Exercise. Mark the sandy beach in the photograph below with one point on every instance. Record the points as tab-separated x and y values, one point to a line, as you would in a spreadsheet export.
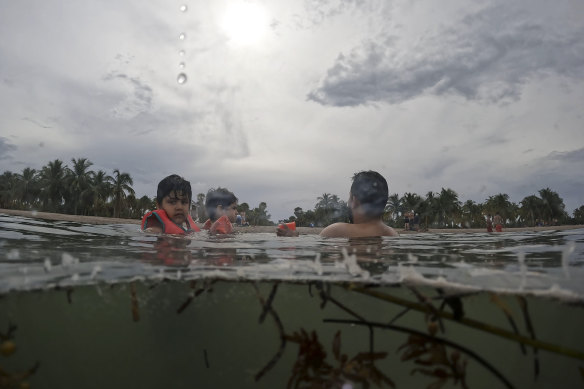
301	230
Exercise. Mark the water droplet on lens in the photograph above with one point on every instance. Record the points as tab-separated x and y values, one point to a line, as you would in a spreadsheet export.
182	36
183	8
181	65
181	53
182	78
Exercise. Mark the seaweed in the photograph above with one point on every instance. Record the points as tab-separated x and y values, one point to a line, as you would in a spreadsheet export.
531	330
268	308
7	348
416	346
134	303
207	287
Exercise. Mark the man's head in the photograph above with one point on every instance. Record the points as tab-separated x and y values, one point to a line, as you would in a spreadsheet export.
370	189
174	197
221	202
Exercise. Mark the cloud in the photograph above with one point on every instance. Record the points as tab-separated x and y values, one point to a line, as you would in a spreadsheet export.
486	56
575	156
136	102
319	11
6	148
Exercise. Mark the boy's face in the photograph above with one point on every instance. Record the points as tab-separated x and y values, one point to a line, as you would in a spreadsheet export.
230	212
176	206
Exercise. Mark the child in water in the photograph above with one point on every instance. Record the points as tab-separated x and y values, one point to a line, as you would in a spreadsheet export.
173	203
221	206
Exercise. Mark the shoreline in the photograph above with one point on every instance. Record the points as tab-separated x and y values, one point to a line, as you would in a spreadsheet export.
268	229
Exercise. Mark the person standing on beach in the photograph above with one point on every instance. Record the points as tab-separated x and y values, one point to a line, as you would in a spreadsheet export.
498	220
489	223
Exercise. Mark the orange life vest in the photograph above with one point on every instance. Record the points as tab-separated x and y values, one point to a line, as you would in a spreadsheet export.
220	226
168	226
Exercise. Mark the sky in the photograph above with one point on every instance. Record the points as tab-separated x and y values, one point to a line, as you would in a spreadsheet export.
285	100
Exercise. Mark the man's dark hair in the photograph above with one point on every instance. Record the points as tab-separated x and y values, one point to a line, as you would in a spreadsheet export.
215	197
173	183
370	188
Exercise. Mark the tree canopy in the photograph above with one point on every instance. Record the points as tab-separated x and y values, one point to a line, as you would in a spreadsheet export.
79	190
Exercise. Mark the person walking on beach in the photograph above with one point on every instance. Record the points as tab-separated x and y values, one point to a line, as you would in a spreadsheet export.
498	220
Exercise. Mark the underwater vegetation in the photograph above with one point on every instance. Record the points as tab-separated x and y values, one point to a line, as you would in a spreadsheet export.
421	324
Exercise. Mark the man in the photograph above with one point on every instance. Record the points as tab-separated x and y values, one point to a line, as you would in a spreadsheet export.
367	200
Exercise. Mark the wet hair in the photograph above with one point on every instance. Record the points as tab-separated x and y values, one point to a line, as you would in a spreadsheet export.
216	197
173	183
370	188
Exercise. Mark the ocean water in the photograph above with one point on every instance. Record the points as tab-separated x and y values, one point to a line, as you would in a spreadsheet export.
109	306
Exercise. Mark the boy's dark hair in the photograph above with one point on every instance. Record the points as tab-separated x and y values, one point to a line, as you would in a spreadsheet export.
370	188
173	183
215	197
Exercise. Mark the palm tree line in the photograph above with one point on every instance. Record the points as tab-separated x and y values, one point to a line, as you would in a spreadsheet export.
76	190
444	209
79	190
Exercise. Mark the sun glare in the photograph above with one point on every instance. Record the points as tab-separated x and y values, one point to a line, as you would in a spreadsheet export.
245	23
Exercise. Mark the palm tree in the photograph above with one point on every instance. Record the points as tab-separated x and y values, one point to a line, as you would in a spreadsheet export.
144	204
53	184
8	189
553	206
28	186
530	210
79	181
410	202
428	209
100	189
472	214
324	201
449	206
392	208
500	203
579	215
122	183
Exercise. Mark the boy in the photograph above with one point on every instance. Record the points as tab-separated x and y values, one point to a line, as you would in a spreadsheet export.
367	200
221	206
173	203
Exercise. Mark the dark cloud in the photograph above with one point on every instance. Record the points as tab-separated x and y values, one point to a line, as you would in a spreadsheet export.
6	148
575	156
487	56
438	167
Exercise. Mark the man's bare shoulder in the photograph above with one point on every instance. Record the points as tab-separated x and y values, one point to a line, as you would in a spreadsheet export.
336	230
347	230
